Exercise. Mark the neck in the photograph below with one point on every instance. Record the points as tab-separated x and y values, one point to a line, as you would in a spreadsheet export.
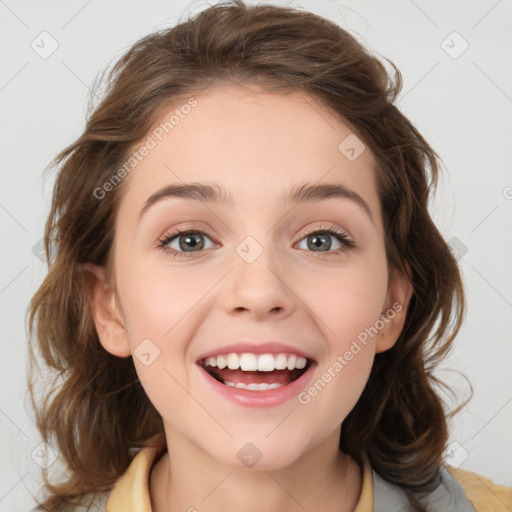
322	479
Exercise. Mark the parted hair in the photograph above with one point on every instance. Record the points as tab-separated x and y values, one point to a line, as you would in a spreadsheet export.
85	407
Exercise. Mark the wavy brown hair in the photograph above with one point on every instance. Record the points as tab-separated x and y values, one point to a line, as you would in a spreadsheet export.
86	410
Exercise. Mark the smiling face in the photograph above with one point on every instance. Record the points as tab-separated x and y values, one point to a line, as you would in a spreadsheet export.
257	267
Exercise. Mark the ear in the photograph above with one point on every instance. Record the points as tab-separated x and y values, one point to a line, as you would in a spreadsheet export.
105	311
395	310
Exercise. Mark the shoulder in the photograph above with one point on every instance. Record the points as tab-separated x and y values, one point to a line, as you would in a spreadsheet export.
484	495
457	489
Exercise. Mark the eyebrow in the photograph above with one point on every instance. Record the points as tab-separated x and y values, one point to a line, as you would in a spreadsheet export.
214	193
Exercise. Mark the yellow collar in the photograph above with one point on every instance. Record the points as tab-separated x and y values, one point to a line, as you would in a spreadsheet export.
131	491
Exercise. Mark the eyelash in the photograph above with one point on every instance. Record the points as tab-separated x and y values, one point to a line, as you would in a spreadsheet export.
341	236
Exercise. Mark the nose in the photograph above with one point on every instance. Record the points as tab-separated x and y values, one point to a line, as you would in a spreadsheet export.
259	288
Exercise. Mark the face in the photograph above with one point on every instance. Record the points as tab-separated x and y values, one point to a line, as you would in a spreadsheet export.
259	267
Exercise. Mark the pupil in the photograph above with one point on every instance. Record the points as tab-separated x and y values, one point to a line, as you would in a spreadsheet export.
322	239
191	238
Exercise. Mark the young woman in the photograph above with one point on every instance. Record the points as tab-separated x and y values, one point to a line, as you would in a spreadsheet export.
248	294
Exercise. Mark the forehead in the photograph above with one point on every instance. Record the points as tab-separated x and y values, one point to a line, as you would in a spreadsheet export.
257	145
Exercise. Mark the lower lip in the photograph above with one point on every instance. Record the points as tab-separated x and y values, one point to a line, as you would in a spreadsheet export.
266	398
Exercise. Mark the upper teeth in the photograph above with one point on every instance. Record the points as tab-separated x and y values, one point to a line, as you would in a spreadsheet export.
251	362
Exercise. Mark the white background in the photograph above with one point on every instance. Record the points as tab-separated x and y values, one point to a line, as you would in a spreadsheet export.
461	105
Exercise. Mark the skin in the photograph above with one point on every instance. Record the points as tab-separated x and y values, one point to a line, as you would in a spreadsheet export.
258	145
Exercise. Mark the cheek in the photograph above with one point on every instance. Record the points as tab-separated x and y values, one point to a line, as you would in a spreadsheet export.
162	311
158	316
157	303
348	307
349	299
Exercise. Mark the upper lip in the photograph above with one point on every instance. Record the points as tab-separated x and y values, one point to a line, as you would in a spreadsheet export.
267	347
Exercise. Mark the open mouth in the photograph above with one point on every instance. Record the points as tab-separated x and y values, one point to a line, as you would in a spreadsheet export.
254	380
